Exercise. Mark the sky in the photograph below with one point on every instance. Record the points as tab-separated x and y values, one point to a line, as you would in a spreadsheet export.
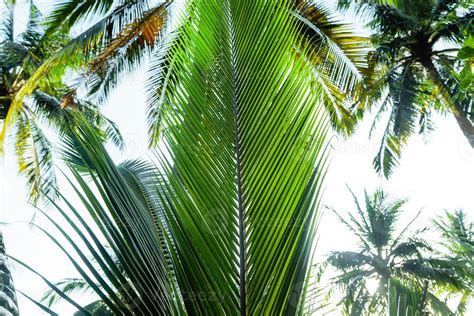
434	174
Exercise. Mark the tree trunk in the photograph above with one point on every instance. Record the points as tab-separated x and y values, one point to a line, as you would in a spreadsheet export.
464	123
421	305
5	102
8	302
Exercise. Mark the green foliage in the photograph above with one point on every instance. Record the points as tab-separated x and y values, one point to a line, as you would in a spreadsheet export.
8	301
416	76
214	228
457	234
21	58
385	256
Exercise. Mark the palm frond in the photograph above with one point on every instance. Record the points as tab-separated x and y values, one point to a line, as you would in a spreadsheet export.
70	286
138	278
348	260
31	37
70	12
35	160
229	208
125	52
7	31
406	95
342	63
48	109
75	52
238	228
317	297
8	298
43	307
409	248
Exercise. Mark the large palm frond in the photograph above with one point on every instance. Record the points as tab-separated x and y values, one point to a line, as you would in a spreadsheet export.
232	227
226	89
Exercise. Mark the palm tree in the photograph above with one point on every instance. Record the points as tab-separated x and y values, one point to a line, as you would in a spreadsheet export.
124	33
386	257
458	240
8	302
416	44
20	57
215	228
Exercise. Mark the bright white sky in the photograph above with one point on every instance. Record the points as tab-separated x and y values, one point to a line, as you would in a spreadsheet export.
435	176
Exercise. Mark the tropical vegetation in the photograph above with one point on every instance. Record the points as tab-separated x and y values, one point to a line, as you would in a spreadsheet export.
21	55
214	220
457	233
424	53
242	98
396	259
8	301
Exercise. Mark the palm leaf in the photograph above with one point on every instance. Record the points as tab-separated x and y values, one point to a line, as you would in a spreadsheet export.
342	63
235	96
229	225
35	159
7	22
102	35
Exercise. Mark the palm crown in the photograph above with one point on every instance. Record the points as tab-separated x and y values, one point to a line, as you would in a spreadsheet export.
416	44
386	256
458	240
21	55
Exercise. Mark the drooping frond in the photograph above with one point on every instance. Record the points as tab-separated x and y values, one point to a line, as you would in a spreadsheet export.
102	35
70	286
34	154
347	260
407	98
125	52
137	278
342	64
7	31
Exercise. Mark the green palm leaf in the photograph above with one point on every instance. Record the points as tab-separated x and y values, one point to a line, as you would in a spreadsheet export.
216	228
233	98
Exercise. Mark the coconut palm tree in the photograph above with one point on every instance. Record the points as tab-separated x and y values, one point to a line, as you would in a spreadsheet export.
386	257
214	228
458	240
8	302
20	57
123	34
416	45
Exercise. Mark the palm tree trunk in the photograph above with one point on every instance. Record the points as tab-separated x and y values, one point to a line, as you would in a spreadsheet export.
8	302
463	122
4	102
422	303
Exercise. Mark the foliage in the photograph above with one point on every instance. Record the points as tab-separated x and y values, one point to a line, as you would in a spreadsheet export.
21	57
416	45
458	240
8	301
214	228
386	256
